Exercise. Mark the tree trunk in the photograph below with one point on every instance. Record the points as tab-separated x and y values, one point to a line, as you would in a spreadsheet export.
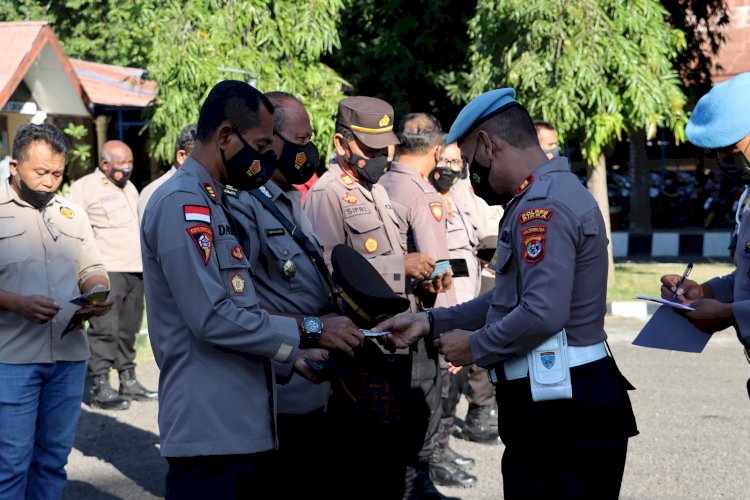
640	202
597	184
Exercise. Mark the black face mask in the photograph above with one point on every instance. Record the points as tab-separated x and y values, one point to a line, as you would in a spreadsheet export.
249	169
552	152
297	162
126	173
736	167
443	178
37	199
480	181
370	169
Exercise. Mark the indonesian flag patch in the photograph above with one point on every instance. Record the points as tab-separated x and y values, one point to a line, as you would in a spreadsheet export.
197	213
203	237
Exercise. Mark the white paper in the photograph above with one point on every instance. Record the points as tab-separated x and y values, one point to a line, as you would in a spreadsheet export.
666	302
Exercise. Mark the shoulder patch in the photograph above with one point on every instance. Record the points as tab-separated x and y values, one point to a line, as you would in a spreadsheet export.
533	247
197	213
67	212
437	210
203	237
533	230
534	214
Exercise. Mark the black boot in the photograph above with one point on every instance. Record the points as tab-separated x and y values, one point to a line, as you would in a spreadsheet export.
132	389
455	458
104	396
478	425
424	488
444	473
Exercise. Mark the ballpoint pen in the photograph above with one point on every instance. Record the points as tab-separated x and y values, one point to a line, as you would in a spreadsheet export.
683	278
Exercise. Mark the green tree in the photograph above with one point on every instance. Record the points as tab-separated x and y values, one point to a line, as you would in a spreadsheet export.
597	69
280	43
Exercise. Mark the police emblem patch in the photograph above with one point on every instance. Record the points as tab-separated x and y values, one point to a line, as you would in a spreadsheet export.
533	248
67	213
349	198
371	244
237	252
384	121
238	284
203	237
210	190
300	160
548	359
534	214
437	210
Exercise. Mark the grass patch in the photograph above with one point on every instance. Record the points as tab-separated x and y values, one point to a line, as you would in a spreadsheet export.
642	278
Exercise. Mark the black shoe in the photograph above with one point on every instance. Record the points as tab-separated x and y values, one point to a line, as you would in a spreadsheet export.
424	488
445	473
104	396
455	458
130	387
478	425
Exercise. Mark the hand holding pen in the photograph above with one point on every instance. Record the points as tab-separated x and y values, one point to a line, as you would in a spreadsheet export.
675	287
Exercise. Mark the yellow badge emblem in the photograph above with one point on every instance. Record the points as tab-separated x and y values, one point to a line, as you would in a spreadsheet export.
67	213
347	180
210	190
349	198
237	253
371	244
437	210
384	121
238	284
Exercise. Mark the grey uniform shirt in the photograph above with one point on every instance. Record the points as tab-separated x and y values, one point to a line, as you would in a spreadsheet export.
48	252
211	340
421	209
343	211
734	288
300	289
551	272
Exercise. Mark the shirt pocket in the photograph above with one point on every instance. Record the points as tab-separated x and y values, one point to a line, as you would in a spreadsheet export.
116	210
70	241
283	263
13	245
505	294
234	273
367	235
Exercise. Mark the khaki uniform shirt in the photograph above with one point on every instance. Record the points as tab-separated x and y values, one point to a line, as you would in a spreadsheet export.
462	244
216	348
343	211
114	218
49	252
422	211
285	277
149	190
551	272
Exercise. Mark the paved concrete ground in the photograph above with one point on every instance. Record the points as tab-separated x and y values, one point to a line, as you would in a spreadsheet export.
693	413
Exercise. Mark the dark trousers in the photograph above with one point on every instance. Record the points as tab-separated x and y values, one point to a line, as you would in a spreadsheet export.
304	450
568	448
112	336
480	392
450	394
221	477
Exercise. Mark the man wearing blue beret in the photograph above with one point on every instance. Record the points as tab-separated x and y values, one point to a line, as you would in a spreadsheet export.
564	413
721	122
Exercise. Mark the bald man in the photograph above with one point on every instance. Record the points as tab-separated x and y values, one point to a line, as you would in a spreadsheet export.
111	201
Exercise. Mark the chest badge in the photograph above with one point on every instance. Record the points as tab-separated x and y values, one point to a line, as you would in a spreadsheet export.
349	198
238	284
371	244
289	269
67	213
237	253
437	210
203	237
347	180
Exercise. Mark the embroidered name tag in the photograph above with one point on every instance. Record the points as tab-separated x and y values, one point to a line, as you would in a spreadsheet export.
277	231
356	210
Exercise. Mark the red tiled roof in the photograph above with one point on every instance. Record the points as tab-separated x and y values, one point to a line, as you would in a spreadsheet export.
115	85
22	42
734	54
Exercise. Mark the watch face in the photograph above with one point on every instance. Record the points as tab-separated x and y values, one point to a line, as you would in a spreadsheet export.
312	324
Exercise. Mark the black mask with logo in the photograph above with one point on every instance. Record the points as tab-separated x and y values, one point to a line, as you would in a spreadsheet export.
444	178
126	173
37	199
736	166
370	169
297	162
248	169
480	181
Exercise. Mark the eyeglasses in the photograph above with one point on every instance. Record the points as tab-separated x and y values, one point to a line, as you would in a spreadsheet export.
452	163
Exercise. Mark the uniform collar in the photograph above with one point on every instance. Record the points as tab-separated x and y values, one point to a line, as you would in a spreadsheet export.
8	194
556	164
402	168
213	189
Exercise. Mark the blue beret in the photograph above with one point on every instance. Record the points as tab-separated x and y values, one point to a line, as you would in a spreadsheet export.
722	117
478	110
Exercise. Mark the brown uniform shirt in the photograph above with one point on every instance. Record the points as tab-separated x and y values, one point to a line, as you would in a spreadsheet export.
462	244
149	190
421	207
343	211
114	218
51	253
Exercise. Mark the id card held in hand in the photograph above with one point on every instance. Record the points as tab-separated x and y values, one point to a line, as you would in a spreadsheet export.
90	298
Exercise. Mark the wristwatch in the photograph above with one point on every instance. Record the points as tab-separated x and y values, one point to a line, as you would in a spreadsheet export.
311	327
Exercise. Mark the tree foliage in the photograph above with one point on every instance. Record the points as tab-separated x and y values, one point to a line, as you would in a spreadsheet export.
594	68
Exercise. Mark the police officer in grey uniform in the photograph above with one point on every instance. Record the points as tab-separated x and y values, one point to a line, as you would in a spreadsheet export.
720	122
217	350
291	278
550	290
